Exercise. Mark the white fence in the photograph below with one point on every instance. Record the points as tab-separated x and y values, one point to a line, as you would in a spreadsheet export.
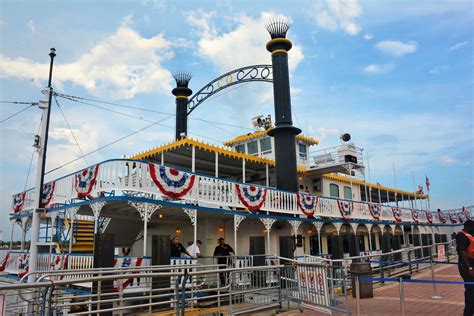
128	177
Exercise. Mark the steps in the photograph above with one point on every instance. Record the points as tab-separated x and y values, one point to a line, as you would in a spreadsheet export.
83	236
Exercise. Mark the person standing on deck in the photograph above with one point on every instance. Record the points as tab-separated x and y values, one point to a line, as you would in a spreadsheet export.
194	249
465	248
222	251
176	248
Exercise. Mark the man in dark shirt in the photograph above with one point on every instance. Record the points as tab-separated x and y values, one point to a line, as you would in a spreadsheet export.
222	251
466	266
176	248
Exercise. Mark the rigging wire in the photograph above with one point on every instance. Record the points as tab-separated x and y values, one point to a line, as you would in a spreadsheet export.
138	117
103	147
31	104
70	129
19	102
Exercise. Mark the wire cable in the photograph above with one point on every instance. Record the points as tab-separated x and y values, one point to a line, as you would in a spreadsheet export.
33	154
15	114
19	102
70	129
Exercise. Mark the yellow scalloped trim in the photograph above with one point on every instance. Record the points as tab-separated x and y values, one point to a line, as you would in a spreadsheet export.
241	138
371	185
212	148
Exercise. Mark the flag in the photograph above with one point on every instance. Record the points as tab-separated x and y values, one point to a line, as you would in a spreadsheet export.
427	182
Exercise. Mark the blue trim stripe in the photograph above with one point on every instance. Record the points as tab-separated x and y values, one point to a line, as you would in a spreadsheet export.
414	281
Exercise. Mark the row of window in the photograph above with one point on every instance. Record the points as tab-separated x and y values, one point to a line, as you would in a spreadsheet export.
334	191
266	148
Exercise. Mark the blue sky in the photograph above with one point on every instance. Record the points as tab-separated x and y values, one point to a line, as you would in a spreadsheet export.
397	75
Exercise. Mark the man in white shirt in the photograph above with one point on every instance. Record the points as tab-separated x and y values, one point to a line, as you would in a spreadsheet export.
193	249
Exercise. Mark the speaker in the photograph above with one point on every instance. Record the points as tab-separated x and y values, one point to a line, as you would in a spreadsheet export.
337	249
353	245
160	255
386	247
397	245
104	248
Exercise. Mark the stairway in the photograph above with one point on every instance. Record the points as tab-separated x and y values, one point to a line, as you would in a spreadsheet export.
83	241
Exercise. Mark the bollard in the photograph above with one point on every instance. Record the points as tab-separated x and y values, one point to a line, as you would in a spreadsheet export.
357	295
434	297
402	297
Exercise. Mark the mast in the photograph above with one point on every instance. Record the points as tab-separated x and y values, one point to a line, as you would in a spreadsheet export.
40	169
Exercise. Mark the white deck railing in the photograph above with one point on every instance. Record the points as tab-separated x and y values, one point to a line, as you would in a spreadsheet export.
129	177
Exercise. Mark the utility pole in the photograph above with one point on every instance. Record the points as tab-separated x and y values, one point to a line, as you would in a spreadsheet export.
41	144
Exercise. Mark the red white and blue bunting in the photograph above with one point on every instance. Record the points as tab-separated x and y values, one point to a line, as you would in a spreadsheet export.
442	218
415	216
18	201
59	262
23	264
466	213
47	193
251	196
375	210
126	262
307	203
3	265
453	218
345	208
397	214
429	217
85	181
171	182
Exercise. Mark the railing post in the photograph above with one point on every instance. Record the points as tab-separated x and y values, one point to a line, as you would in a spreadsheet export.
357	290
435	296
402	297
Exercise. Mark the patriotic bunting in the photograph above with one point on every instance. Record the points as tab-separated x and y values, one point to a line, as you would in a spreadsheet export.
429	217
345	208
397	214
251	196
466	213
415	216
23	261
18	201
127	262
47	193
307	203
375	210
453	218
171	182
85	180
442	218
3	265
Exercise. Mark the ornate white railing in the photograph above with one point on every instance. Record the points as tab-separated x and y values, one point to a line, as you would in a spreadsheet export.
132	178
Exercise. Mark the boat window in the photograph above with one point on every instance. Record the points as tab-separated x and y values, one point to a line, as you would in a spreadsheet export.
348	193
240	148
265	145
334	190
252	148
302	151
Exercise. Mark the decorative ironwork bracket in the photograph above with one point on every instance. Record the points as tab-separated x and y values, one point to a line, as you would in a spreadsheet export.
241	75
237	220
146	210
192	213
96	208
267	222
294	226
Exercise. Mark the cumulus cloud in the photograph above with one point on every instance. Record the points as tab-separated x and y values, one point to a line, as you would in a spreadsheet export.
31	26
368	36
458	46
120	66
396	48
447	160
243	45
337	15
378	69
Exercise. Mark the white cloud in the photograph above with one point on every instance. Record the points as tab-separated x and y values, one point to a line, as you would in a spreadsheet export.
119	66
242	46
396	48
378	69
447	160
337	15
157	5
368	36
458	46
31	26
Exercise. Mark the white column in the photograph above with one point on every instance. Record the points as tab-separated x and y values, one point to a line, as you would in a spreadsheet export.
53	221
268	223
267	176
162	158
217	165
193	159
369	228
338	226
192	213
72	214
237	220
319	226
11	235
243	170
25	227
146	211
